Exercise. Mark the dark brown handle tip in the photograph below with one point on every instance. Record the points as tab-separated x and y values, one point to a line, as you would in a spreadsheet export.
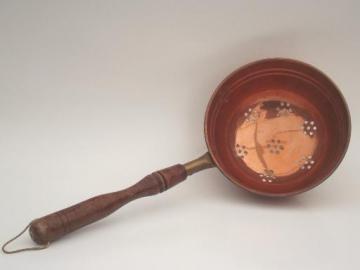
40	231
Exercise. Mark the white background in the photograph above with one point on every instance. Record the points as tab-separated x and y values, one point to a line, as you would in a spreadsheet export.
94	95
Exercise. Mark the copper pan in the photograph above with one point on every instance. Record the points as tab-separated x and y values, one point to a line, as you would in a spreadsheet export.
275	127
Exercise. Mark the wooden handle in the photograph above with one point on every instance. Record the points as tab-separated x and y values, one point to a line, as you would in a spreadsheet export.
51	227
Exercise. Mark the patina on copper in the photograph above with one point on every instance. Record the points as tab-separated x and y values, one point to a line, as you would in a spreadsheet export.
275	127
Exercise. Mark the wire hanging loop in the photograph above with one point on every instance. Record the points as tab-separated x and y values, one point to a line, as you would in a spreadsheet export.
22	249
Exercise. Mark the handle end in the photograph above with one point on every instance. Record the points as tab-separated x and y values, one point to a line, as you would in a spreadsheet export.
40	231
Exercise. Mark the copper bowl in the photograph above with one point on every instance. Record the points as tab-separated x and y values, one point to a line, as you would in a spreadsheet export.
277	127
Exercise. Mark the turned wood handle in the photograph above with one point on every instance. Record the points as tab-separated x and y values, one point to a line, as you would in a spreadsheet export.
51	227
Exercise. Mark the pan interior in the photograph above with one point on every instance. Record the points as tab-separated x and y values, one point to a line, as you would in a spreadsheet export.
275	139
277	127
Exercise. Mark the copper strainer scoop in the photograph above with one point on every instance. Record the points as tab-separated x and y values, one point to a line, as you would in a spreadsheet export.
275	127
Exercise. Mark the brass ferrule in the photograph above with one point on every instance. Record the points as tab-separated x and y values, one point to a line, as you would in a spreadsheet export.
199	164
